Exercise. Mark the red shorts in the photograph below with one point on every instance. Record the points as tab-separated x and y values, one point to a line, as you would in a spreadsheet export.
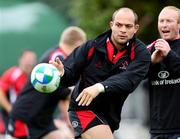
84	120
17	128
2	125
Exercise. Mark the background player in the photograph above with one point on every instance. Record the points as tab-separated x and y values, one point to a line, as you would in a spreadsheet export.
164	77
11	83
36	109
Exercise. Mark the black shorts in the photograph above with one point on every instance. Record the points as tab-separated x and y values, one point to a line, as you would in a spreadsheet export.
5	118
38	131
165	136
84	120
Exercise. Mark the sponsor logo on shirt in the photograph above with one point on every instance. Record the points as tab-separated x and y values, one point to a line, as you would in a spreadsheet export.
165	82
163	75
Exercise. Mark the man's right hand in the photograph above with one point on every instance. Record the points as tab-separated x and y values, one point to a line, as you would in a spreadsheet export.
59	65
162	49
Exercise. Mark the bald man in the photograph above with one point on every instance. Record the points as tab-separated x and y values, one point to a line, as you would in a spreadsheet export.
164	77
110	67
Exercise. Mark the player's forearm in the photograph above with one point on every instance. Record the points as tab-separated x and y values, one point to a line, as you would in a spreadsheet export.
4	102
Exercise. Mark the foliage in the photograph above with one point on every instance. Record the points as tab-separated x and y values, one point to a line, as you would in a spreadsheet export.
94	15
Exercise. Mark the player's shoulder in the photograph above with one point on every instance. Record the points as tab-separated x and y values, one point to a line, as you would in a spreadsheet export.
141	48
140	43
45	56
12	70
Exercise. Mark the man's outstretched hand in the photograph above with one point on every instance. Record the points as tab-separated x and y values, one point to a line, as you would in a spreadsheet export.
59	65
89	93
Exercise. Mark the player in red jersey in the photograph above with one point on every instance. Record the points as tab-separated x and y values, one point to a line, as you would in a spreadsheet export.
11	83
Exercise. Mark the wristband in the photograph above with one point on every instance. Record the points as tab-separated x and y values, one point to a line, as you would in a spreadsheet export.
100	87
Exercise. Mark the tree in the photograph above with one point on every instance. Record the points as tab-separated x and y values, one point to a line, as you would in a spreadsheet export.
93	15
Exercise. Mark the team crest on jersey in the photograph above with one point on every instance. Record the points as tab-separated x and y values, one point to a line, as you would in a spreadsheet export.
123	65
74	124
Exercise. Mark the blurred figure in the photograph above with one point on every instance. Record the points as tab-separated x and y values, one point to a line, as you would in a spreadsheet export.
135	116
2	124
11	83
107	69
164	77
35	108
